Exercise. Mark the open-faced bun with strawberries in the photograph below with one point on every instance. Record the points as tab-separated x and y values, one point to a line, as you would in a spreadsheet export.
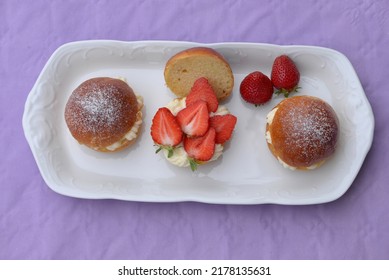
185	67
302	132
192	130
104	114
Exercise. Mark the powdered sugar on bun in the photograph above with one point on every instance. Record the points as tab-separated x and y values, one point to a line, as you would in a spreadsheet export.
303	132
100	112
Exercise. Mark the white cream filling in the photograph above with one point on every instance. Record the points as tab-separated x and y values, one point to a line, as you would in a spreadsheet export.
313	166
176	105
180	156
270	116
133	132
284	164
123	79
268	137
181	159
221	111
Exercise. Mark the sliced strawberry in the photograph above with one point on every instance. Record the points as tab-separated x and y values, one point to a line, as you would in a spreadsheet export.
202	90
200	148
224	126
165	130
194	119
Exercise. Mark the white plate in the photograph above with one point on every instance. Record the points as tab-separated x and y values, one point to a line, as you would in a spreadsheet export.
247	173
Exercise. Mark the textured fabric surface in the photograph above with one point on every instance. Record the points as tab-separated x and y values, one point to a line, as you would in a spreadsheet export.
36	223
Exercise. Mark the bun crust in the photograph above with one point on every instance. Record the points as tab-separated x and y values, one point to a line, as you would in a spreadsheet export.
303	132
184	68
100	111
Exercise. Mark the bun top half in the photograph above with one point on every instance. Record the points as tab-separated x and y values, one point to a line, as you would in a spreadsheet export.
304	131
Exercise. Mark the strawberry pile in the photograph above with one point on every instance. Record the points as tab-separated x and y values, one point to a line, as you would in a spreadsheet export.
196	127
257	88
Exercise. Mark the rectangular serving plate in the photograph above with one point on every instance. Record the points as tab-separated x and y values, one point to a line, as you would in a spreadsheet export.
247	173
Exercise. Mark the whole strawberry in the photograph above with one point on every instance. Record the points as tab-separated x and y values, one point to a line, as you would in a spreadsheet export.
285	75
256	88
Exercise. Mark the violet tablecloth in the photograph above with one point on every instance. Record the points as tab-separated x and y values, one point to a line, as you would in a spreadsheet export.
36	223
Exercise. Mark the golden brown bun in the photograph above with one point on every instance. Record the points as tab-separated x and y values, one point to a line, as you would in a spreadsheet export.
303	132
184	68
100	111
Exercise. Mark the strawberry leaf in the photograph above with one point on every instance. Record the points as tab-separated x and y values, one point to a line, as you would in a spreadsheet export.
286	92
158	150
169	149
193	164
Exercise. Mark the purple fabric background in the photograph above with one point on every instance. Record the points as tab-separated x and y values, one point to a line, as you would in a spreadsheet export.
36	223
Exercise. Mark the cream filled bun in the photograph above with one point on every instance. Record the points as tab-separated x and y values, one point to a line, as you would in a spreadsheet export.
302	132
104	114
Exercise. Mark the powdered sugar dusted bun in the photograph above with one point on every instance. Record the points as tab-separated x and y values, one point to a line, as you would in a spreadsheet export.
185	67
302	132
104	114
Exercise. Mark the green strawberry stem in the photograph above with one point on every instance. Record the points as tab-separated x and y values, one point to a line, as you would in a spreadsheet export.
193	164
286	92
169	149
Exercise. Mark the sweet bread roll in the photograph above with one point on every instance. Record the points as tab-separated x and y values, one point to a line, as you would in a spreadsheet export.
184	68
302	132
104	114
